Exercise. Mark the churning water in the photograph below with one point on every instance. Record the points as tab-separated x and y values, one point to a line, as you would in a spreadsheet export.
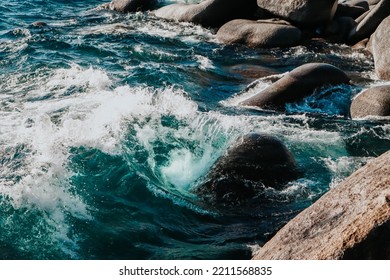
109	121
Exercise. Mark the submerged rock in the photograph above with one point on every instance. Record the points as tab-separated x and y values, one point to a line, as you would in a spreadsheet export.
209	13
381	49
39	24
341	219
372	102
296	85
255	161
259	34
126	6
303	12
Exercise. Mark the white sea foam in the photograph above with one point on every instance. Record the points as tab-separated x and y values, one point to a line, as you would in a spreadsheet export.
78	106
343	166
204	62
95	116
141	23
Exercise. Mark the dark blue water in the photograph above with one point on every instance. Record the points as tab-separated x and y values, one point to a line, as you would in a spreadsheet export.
108	122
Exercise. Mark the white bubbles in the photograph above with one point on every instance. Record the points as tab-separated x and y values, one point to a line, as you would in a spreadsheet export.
204	62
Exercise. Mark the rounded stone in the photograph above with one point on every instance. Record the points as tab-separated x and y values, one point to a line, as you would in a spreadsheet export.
296	85
126	6
372	102
259	34
302	12
254	161
209	13
381	49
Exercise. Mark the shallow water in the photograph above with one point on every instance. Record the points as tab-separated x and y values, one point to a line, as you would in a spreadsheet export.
108	122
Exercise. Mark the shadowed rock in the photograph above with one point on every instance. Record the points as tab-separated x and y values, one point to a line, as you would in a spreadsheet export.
339	30
303	12
255	161
209	13
296	85
381	49
353	9
375	247
340	220
127	6
259	34
369	22
372	102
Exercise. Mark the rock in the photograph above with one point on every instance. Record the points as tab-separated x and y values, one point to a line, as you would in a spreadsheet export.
126	6
372	102
209	13
251	72
259	34
376	246
340	220
338	31
255	161
361	45
347	10
302	12
381	49
296	85
373	2
369	22
39	24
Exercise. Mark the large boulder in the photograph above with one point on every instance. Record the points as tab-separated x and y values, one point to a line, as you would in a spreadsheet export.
209	13
126	6
259	34
369	22
302	12
372	102
344	218
296	85
381	49
254	162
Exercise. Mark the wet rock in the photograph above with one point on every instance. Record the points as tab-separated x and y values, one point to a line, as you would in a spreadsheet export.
381	49
252	72
259	34
369	22
340	220
296	85
126	6
255	161
302	12
39	24
209	13
372	102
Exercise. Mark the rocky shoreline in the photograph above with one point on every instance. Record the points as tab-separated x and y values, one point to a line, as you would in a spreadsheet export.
337	224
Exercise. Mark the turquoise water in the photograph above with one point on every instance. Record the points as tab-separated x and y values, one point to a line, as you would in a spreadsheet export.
108	122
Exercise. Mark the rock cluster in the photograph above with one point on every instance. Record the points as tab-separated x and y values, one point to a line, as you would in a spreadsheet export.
344	220
286	23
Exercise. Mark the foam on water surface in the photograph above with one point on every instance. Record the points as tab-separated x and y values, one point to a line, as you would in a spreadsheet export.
109	121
